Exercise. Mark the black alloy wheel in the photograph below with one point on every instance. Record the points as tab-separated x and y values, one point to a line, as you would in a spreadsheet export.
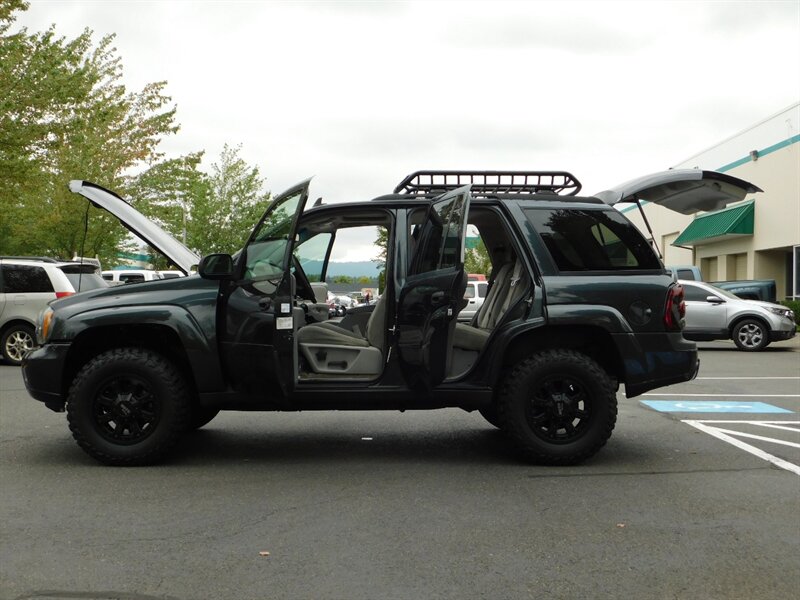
128	406
558	407
126	409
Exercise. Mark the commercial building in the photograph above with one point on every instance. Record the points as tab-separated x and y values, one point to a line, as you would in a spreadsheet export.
758	238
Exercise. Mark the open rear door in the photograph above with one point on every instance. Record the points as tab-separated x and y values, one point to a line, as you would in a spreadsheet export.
686	191
433	291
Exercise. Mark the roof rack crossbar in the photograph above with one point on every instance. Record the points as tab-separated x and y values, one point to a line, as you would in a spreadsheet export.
488	183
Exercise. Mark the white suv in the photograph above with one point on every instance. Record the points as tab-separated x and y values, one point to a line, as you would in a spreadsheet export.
716	314
27	285
474	295
119	276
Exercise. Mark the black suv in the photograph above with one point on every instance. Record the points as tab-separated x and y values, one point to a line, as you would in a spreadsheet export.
579	303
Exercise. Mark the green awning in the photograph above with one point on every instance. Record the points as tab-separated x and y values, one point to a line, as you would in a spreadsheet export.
735	221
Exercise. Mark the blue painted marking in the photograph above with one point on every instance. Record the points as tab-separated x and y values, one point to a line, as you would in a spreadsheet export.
722	406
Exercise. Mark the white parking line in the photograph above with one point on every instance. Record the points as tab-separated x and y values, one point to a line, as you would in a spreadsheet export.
726	437
748	378
728	395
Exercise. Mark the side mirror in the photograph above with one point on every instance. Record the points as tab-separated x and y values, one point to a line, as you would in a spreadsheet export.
216	266
714	299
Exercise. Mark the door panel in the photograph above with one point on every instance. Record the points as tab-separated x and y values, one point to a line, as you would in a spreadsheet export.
433	292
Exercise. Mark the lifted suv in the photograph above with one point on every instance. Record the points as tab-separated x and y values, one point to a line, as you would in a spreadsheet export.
578	303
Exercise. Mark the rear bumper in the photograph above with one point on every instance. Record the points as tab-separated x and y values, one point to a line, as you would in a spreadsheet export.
42	372
656	360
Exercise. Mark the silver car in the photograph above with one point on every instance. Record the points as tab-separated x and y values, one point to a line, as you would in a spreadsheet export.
716	314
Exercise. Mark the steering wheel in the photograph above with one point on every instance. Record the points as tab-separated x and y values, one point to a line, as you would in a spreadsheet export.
304	289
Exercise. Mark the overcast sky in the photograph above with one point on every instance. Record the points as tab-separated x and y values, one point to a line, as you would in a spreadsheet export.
358	94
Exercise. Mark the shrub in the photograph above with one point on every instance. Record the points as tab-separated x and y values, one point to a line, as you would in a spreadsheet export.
795	306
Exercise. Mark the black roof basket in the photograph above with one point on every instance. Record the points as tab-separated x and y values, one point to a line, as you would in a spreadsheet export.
490	183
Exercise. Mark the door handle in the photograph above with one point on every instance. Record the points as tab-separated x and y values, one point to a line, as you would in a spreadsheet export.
437	297
264	303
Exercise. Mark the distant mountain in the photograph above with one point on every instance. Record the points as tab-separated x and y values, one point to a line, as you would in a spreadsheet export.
360	268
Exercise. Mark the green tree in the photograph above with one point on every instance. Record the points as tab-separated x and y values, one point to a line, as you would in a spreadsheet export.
64	114
222	219
476	260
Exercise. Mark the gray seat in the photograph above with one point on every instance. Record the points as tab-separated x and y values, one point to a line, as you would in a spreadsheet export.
331	349
505	290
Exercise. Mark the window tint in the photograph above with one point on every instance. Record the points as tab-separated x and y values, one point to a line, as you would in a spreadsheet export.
592	240
86	281
442	236
266	252
695	294
131	277
482	289
21	279
685	274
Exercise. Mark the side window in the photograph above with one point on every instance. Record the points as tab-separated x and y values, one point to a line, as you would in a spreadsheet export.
442	249
470	291
695	294
685	274
482	289
311	254
592	240
131	277
20	279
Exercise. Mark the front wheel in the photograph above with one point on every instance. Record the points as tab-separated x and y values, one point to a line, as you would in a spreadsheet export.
751	335
16	342
559	407
128	406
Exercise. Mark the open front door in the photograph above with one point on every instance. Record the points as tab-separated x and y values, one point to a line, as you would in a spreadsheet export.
433	291
255	312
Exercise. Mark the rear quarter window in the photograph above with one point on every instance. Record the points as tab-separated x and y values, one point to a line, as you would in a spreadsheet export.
592	240
23	279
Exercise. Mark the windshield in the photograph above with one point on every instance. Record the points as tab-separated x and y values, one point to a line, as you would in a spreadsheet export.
266	251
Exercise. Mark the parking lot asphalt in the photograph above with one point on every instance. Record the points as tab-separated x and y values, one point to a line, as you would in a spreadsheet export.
419	504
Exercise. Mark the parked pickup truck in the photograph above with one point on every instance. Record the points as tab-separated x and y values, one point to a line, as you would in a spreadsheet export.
752	289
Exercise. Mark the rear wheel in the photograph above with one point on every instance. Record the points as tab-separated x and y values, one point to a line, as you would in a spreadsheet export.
750	335
16	342
559	407
128	406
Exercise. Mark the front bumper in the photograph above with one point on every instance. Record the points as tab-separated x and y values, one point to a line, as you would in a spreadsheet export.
781	335
42	372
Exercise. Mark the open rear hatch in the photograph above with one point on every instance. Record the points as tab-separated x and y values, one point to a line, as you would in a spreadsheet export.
686	191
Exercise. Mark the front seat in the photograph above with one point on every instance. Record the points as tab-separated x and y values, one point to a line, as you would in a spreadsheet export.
331	349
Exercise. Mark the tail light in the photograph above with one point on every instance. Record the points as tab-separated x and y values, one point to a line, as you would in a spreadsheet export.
675	309
63	294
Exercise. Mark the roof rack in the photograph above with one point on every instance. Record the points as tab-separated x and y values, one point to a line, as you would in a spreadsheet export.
490	183
46	259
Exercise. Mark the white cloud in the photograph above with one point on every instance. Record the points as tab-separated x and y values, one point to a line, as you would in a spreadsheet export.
360	94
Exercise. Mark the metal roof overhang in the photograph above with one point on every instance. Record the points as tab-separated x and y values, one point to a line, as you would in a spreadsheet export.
735	221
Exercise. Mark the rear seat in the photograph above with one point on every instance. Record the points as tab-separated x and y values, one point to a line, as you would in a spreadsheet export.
506	288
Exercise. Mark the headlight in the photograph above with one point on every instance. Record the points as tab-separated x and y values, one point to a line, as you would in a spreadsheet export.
44	325
783	312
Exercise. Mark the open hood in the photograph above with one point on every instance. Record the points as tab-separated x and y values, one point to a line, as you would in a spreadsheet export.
137	223
686	191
